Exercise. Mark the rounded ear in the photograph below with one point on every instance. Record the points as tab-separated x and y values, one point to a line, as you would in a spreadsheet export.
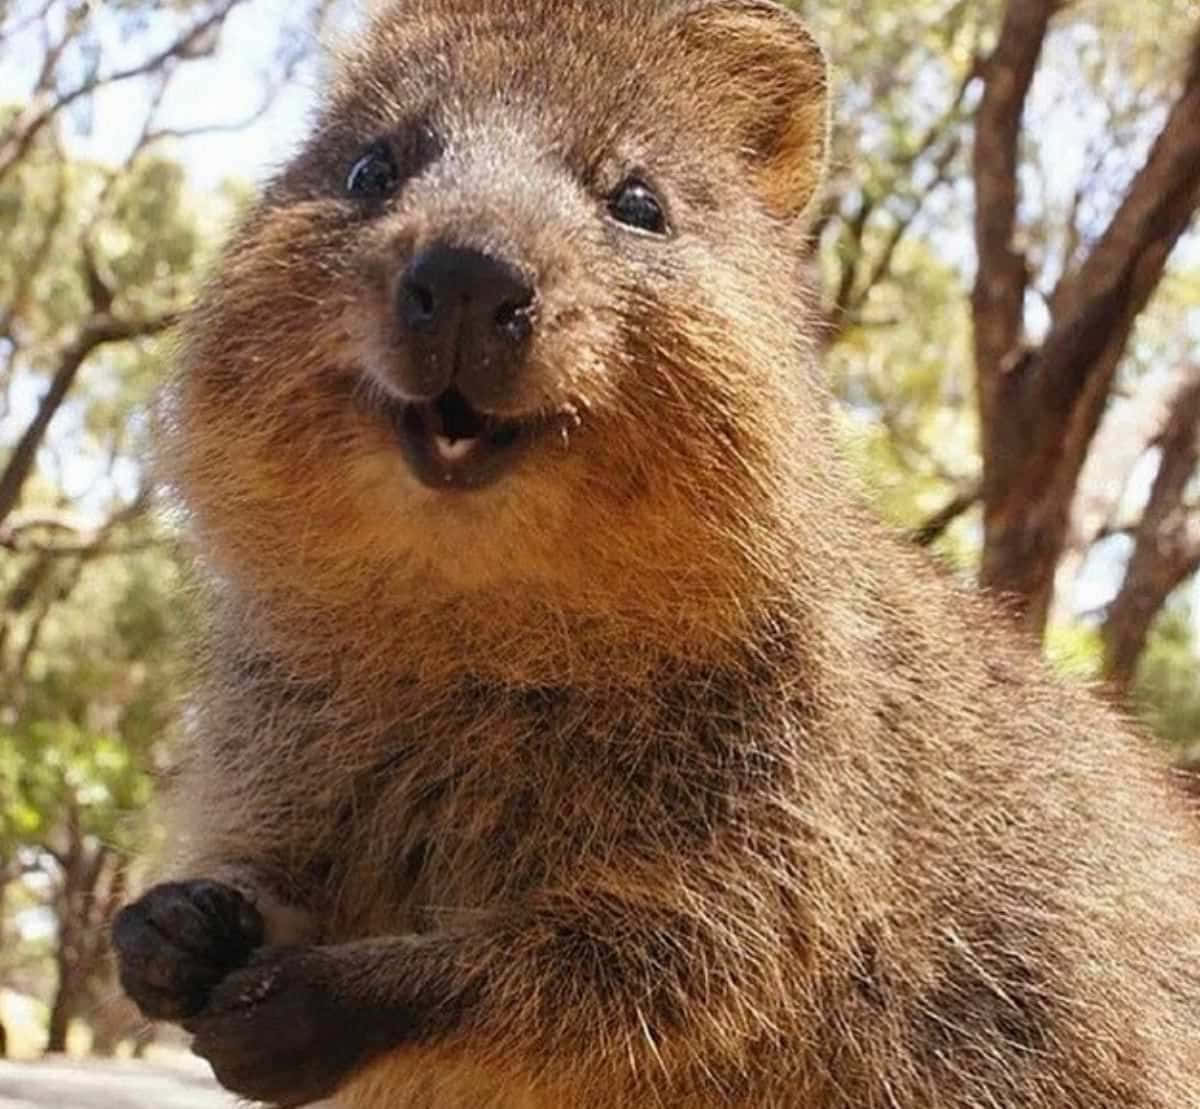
764	80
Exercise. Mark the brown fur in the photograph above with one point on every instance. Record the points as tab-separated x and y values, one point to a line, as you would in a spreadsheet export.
684	782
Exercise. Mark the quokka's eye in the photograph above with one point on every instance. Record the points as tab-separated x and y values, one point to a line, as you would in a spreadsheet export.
635	205
374	175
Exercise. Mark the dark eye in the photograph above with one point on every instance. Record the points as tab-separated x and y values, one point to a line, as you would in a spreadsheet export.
635	205
374	175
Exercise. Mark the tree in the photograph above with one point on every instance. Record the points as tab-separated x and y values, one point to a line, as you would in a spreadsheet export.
98	256
1045	156
1041	403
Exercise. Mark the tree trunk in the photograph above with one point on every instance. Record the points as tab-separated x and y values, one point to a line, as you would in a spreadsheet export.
93	885
1166	544
1040	407
62	1009
66	956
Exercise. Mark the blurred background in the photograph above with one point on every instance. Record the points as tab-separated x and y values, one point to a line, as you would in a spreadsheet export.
1009	267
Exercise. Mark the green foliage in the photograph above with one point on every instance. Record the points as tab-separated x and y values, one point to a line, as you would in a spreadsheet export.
89	610
1168	689
138	225
79	743
90	706
903	377
52	767
1074	649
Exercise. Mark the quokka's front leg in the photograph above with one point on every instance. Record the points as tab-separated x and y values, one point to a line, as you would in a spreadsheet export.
559	998
181	939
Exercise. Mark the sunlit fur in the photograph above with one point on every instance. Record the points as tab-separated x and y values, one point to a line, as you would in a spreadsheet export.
721	795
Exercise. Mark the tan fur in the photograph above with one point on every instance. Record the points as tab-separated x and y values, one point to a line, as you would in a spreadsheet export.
716	793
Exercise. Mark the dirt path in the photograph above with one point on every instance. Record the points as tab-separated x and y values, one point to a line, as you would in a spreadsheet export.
70	1084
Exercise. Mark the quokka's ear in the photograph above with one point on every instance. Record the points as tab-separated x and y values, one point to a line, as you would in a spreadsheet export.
764	81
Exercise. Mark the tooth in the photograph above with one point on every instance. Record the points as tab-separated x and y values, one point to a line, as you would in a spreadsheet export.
451	450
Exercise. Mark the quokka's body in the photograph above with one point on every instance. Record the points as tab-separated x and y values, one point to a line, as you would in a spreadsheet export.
569	734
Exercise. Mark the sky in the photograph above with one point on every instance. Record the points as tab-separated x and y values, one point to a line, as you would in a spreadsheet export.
223	89
230	87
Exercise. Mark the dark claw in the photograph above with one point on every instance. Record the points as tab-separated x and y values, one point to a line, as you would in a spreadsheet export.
179	940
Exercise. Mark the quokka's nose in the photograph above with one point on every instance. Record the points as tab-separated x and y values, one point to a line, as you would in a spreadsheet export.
466	317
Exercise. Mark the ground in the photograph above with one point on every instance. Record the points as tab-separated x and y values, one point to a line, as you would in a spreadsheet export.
73	1084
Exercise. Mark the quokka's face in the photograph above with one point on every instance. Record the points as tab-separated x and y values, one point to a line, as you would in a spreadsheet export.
528	277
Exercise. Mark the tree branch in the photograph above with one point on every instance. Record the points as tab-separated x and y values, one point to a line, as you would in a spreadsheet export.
38	15
1166	543
32	265
1097	308
98	331
853	288
1000	281
86	543
883	262
196	41
927	533
1126	433
1041	407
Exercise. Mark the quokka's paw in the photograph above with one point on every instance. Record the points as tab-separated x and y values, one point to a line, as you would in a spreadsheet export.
280	1030
179	940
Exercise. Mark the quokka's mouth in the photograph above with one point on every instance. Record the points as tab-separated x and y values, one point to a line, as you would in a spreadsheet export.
452	445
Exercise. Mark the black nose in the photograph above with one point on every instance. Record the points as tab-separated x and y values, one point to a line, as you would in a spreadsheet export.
466	317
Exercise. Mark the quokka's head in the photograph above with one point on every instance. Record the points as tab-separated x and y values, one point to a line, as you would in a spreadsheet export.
525	310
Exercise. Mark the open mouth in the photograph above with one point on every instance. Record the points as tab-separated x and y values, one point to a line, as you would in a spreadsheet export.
452	445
